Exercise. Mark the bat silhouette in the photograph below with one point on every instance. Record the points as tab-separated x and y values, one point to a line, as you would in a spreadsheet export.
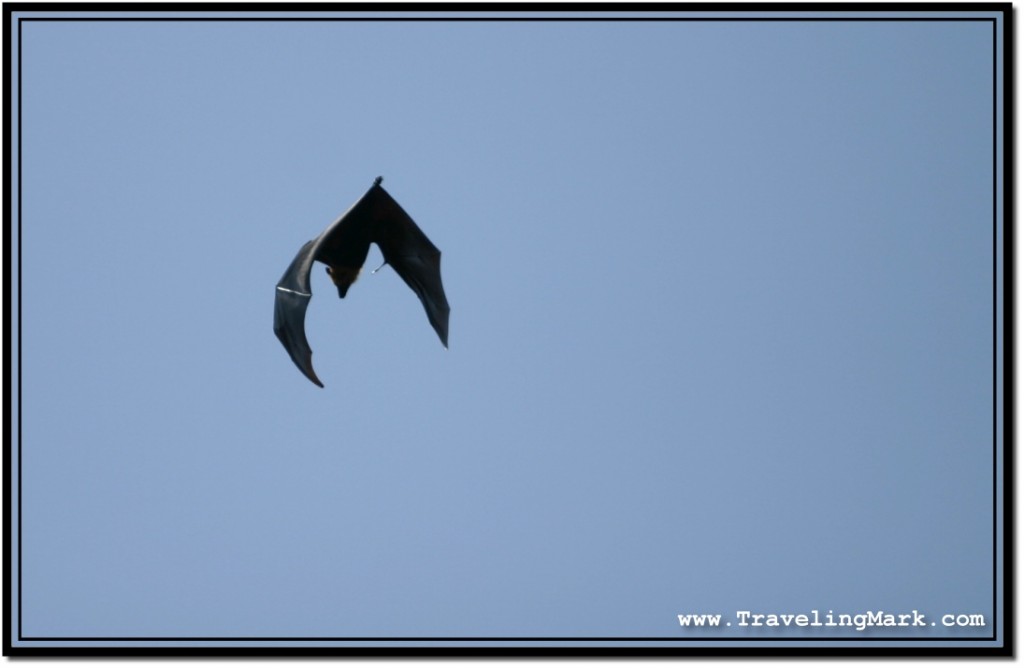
375	218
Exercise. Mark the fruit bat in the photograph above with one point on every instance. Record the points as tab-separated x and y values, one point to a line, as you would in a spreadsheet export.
375	218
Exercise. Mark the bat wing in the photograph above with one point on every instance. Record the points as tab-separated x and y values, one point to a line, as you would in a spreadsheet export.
340	243
412	255
290	302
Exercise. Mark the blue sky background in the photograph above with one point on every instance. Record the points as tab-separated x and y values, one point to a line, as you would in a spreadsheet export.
721	328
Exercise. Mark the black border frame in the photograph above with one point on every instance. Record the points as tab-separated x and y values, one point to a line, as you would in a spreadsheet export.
425	646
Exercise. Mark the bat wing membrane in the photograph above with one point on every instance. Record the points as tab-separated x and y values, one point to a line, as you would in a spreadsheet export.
290	301
418	261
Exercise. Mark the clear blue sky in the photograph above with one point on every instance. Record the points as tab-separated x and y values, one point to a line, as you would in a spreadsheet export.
721	330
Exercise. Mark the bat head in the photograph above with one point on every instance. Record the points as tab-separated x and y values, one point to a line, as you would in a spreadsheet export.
343	277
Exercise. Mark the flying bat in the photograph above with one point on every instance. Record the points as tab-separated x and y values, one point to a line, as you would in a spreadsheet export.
375	218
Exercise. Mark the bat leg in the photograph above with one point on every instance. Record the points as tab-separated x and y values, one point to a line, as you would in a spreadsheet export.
380	267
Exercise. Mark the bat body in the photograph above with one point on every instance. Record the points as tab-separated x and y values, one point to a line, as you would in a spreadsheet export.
375	218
